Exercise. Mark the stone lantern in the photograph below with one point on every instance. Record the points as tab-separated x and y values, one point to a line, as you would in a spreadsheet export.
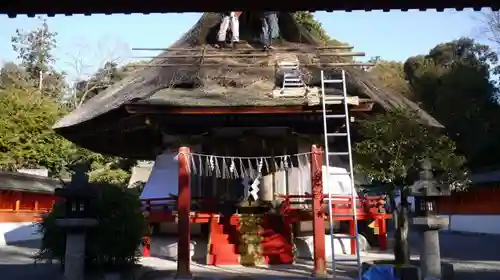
428	223
78	218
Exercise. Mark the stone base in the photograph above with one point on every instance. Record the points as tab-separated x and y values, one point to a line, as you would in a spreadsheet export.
430	223
341	245
412	271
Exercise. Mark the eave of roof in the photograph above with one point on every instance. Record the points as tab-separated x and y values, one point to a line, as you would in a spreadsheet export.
15	181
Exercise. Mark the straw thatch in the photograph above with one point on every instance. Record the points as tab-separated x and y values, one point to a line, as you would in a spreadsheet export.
192	73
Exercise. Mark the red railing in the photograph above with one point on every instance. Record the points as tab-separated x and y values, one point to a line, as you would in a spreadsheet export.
365	205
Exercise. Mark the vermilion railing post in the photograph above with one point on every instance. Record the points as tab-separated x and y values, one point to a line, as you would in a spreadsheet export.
183	212
318	215
352	226
146	246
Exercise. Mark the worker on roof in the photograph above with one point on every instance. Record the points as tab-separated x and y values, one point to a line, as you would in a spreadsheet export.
270	29
229	21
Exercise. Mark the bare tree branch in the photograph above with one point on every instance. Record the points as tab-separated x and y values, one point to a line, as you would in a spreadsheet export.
490	26
91	67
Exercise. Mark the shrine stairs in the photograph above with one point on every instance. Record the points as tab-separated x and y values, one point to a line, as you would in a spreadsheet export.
224	241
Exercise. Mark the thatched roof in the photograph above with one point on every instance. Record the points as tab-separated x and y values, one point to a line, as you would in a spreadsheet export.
192	73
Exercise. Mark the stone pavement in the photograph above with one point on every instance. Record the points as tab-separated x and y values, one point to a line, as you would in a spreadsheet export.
475	257
165	269
16	263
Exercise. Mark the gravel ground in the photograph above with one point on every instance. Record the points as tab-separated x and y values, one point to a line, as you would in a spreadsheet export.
475	257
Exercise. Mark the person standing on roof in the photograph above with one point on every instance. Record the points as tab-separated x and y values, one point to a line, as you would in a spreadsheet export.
270	29
229	21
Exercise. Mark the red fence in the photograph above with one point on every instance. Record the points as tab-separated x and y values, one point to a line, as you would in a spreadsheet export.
17	206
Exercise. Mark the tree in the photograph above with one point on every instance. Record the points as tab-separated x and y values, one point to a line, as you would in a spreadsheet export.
34	49
453	83
112	244
11	75
392	146
95	71
105	76
307	20
490	26
391	76
26	136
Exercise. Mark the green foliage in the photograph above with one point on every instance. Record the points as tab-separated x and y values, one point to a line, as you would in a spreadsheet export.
453	83
111	176
307	20
394	144
114	243
13	76
26	137
28	113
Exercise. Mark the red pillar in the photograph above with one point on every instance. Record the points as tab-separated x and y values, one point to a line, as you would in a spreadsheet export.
183	211
382	233
352	233
318	219
146	249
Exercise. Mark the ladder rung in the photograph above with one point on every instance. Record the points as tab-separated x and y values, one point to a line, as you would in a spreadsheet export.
335	116
344	236
293	80
346	259
341	173
336	134
338	153
343	215
334	97
333	81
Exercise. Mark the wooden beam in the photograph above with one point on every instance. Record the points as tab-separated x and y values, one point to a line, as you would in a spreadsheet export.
253	65
237	110
256	54
277	49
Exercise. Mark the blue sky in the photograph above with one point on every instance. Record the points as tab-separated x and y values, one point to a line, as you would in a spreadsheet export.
393	35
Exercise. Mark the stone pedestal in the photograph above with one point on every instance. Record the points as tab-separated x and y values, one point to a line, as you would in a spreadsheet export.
74	259
430	256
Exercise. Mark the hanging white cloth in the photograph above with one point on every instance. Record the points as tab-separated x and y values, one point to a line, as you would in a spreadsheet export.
339	181
229	21
163	181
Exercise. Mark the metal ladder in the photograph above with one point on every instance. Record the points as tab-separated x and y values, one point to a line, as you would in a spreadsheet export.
328	99
292	78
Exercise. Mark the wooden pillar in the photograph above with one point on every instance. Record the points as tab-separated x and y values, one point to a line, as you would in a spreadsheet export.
318	215
183	211
18	197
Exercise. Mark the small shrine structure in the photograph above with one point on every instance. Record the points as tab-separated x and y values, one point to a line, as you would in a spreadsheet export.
237	151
